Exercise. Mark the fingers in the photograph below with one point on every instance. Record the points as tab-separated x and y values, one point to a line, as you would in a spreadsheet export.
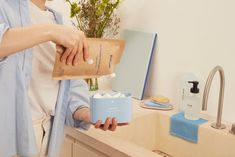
110	124
85	50
79	51
60	49
106	124
76	57
98	124
65	55
114	124
71	56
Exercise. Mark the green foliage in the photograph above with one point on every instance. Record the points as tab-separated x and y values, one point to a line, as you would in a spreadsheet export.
96	17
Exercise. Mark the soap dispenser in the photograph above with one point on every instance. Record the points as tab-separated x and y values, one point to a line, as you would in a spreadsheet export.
193	106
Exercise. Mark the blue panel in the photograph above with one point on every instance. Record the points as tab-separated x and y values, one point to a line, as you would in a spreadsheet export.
132	71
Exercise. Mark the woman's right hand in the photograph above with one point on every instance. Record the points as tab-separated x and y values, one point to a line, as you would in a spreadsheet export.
71	41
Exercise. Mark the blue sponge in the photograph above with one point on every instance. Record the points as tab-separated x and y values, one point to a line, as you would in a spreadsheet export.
184	128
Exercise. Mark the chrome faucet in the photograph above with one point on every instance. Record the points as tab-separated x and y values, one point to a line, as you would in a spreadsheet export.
232	131
218	124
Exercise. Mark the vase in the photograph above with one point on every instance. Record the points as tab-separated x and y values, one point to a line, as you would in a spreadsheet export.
92	84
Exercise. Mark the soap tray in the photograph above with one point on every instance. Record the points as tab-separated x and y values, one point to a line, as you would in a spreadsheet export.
120	108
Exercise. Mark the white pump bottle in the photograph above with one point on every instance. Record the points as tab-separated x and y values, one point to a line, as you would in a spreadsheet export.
193	103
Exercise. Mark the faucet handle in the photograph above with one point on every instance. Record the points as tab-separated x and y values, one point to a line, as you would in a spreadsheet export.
232	131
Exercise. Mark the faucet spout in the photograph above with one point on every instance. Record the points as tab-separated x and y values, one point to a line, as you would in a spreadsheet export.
218	124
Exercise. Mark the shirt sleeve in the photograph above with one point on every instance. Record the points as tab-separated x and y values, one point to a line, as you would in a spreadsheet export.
4	26
4	21
3	29
78	98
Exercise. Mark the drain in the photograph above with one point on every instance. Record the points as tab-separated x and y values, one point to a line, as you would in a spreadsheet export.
163	154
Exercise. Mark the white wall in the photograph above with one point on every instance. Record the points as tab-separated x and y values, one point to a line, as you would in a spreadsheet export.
193	36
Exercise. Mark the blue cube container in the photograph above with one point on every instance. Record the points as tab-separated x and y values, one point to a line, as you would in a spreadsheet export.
120	108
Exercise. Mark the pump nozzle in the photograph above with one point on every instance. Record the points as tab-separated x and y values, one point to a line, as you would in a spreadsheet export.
195	88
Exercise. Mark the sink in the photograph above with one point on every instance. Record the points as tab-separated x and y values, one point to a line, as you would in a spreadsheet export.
148	136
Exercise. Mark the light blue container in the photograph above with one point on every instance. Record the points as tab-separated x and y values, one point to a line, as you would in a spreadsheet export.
120	108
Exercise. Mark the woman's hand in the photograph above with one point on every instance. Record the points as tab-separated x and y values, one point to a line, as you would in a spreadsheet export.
110	123
71	43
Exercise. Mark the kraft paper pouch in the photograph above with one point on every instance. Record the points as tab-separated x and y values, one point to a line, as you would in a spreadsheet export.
105	53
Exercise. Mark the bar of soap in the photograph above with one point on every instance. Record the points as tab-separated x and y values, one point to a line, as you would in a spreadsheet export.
160	99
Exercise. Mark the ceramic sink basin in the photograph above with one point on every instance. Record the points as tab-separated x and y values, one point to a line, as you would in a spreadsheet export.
148	136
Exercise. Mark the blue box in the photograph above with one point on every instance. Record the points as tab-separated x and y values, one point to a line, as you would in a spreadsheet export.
120	108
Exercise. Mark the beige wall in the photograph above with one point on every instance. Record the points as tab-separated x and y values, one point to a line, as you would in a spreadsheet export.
193	36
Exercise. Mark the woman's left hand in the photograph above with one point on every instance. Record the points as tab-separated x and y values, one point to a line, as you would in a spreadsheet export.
110	123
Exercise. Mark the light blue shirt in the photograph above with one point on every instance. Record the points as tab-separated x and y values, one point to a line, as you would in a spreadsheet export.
16	130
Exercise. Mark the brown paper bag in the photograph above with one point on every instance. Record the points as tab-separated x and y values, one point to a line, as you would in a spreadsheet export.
105	53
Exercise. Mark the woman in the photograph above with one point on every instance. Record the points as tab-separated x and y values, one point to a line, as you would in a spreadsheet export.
33	107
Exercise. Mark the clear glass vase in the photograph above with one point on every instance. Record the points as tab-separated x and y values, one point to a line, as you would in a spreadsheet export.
92	84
